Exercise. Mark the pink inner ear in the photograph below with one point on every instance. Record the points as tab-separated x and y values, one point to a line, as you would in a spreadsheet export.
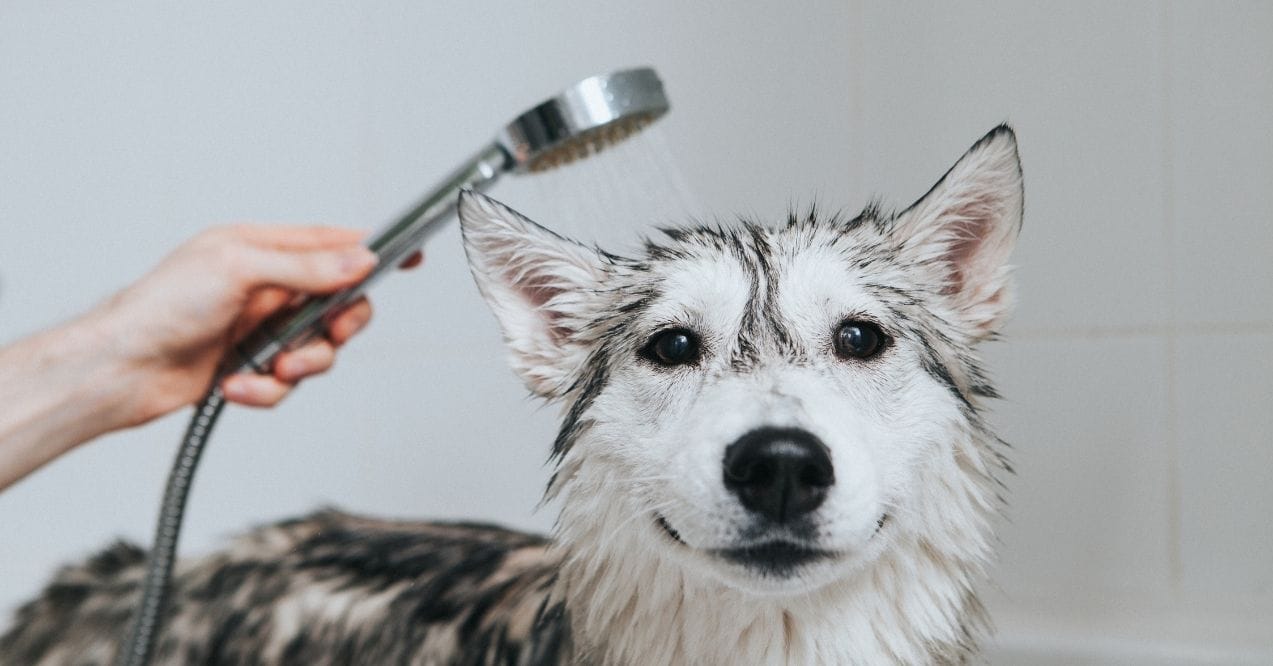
538	290
970	221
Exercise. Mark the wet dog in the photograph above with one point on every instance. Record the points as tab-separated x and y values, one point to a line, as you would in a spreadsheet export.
772	451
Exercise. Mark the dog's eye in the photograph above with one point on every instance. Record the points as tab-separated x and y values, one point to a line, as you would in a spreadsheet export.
675	346
858	339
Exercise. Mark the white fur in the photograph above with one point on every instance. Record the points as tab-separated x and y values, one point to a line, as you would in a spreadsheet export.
904	443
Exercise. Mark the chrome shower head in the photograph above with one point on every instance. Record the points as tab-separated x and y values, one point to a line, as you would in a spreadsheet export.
584	119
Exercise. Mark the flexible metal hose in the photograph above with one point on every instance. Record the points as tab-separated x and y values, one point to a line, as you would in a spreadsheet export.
154	594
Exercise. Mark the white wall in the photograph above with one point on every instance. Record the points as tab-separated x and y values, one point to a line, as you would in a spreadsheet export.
1137	371
1138	375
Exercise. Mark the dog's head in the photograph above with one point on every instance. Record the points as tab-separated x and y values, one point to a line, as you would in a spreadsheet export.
773	407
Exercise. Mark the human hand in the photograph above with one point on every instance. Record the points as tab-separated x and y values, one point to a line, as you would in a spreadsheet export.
171	329
156	346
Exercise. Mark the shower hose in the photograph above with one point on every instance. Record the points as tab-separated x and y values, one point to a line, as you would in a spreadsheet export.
154	593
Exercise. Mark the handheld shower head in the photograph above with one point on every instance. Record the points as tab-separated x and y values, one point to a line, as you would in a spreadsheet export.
585	118
582	120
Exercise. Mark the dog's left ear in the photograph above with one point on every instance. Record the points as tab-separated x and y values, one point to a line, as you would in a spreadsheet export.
966	226
538	284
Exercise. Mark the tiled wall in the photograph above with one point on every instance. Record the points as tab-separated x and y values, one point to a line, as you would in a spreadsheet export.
1138	371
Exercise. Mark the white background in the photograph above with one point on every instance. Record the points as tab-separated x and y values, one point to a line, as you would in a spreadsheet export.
1138	371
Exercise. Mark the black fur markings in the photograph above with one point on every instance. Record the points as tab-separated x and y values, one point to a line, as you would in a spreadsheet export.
483	588
588	388
114	559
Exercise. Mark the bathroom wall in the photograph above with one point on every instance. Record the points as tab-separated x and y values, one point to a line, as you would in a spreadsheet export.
1136	373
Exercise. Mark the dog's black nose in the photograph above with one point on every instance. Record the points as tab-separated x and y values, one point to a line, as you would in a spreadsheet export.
780	473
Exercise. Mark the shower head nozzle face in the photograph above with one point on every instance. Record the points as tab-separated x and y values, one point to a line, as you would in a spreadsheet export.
586	118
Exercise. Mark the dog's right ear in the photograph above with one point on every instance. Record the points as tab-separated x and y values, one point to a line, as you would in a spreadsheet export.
538	284
966	226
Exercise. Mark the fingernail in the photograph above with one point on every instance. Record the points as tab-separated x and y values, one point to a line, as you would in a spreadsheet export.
235	389
356	261
294	367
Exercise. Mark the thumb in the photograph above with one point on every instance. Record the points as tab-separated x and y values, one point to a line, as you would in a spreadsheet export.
309	271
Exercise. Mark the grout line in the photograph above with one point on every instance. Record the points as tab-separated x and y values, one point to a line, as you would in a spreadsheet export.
1174	566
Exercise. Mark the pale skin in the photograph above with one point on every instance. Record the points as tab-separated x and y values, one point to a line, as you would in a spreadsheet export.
155	347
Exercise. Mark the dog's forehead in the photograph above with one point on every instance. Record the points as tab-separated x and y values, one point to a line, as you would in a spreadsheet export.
710	287
715	275
824	277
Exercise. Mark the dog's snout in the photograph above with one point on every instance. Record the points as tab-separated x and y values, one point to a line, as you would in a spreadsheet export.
780	473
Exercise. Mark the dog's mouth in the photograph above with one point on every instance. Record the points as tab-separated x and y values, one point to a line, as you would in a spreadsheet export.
776	557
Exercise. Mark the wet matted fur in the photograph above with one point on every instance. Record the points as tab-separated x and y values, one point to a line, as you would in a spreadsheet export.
845	347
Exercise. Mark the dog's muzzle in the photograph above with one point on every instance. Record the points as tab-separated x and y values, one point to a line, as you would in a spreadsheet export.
779	474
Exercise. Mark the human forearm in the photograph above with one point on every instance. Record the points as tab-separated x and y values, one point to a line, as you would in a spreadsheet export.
156	346
59	388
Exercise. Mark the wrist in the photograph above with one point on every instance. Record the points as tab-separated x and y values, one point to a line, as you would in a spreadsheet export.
113	374
60	388
96	379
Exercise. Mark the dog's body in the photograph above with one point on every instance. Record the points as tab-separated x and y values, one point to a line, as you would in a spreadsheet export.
772	452
326	589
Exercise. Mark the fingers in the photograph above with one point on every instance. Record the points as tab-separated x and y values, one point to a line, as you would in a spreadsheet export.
271	264
349	321
317	356
310	271
308	259
311	259
285	237
255	390
412	261
290	367
261	304
312	358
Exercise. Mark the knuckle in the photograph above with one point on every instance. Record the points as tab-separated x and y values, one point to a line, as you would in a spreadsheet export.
230	260
357	314
222	248
314	266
